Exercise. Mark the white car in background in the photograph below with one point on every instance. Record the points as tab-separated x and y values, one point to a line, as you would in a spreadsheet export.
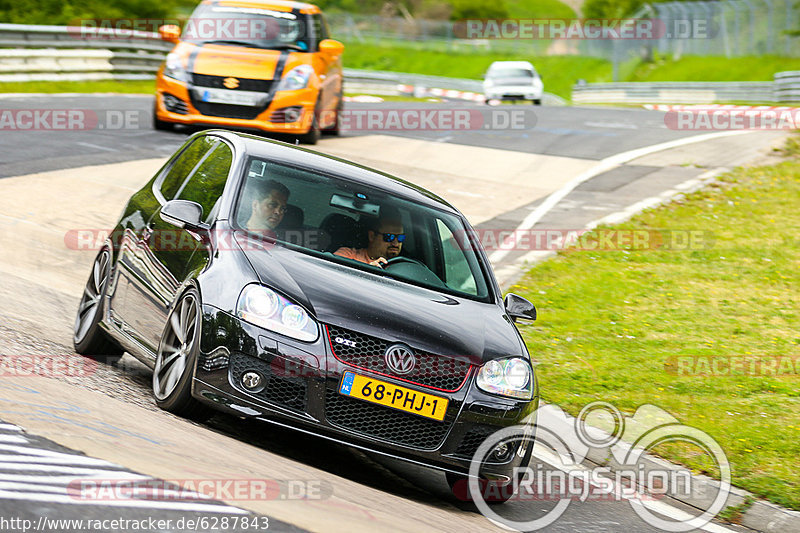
512	80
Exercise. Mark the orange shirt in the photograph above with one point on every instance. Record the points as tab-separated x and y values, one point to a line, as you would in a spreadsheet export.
352	253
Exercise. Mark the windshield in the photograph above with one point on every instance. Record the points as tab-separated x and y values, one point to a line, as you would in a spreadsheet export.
506	72
246	26
354	225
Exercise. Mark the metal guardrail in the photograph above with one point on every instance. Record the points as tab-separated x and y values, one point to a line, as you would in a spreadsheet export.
785	88
52	53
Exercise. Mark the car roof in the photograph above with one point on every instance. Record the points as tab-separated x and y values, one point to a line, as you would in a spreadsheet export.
277	5
512	64
327	164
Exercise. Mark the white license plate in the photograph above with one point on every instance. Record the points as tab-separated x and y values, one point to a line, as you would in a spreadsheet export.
221	96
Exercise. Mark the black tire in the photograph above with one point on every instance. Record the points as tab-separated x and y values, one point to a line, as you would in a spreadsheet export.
88	337
314	133
334	130
161	125
176	357
536	101
459	486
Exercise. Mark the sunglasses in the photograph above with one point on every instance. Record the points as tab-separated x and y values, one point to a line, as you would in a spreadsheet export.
389	237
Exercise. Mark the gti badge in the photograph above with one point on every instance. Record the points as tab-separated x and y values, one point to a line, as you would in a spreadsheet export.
346	342
400	359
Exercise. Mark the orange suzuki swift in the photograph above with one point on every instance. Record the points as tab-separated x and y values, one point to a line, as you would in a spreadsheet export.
252	64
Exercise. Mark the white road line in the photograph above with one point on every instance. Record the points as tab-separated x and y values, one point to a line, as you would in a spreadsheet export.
13	439
9	427
97	146
146	504
660	507
604	165
33	487
75	460
55	468
66	480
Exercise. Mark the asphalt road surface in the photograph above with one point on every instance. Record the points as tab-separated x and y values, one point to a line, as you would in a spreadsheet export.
118	128
367	492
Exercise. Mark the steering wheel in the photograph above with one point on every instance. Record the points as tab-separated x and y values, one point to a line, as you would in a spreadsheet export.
412	269
399	260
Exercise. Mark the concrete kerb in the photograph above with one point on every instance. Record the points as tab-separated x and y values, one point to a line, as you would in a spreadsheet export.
761	515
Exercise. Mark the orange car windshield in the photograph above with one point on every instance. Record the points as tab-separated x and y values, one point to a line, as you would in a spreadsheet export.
248	26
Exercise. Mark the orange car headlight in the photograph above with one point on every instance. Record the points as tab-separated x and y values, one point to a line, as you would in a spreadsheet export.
297	78
173	68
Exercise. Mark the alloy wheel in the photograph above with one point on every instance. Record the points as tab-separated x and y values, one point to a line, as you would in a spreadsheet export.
176	347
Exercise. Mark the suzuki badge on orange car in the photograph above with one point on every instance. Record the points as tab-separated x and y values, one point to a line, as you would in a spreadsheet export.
250	64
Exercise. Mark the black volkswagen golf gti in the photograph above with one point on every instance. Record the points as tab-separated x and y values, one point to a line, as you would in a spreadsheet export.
243	275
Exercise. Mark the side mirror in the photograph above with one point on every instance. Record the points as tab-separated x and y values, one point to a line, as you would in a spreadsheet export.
182	213
518	307
170	33
331	47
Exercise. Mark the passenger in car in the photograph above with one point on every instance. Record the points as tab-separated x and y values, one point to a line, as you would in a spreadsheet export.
269	206
384	239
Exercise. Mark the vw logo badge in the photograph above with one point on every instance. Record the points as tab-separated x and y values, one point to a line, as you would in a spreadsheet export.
400	359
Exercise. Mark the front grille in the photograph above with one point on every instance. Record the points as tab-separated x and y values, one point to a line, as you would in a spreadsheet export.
473	439
290	392
286	114
245	84
385	423
430	370
175	104
245	112
227	110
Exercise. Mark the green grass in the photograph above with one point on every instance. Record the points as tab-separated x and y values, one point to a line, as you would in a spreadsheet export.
561	72
558	72
99	86
524	9
709	68
610	320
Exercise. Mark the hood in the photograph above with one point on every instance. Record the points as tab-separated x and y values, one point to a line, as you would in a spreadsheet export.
386	308
234	61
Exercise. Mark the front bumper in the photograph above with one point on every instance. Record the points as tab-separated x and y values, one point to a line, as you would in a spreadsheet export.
177	103
301	392
513	93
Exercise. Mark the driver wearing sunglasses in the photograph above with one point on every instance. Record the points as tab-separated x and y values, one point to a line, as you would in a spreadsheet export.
385	239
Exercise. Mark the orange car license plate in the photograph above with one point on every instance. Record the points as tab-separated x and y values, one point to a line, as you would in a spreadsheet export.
395	396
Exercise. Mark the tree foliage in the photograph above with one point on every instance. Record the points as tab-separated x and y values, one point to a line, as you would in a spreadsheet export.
65	12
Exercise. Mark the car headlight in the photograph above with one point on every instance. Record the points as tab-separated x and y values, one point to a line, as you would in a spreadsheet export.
268	309
297	78
174	68
511	377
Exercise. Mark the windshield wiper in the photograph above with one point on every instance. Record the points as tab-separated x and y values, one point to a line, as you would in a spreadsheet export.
237	43
288	47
